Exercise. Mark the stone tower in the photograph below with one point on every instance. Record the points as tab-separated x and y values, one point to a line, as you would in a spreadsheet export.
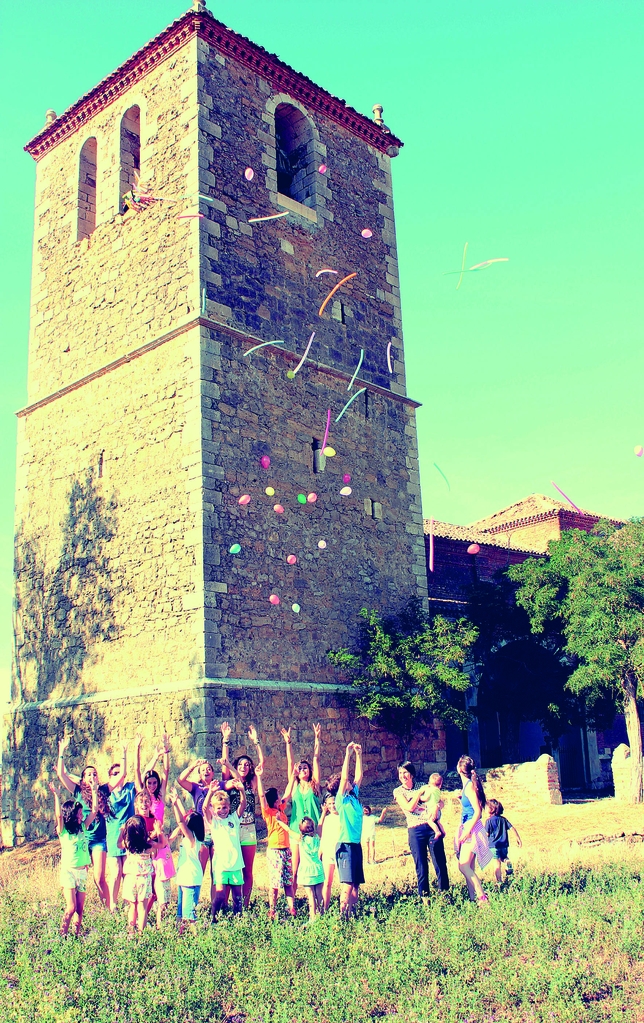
149	416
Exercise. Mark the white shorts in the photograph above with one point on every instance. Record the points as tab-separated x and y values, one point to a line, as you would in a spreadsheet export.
74	877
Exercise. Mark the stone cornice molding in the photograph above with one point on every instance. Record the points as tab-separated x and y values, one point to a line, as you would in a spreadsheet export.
236	47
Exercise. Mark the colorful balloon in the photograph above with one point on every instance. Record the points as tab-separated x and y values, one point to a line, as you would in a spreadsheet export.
265	462
639	451
295	608
321	544
235	549
301	498
274	599
270	491
249	174
244	499
311	498
322	168
291	560
328	451
278	508
290	373
473	548
367	233
346	478
346	491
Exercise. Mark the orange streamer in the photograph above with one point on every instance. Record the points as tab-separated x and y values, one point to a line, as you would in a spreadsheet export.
333	291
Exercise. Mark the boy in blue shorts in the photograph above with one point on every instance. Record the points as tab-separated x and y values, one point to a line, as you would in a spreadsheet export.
348	851
498	830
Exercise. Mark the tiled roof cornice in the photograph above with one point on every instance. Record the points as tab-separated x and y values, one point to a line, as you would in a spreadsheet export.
572	519
229	44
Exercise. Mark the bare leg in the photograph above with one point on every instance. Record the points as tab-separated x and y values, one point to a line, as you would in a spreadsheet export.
99	857
346	900
113	877
289	892
142	914
329	871
310	896
319	901
80	905
295	854
70	909
237	893
131	919
248	854
466	867
272	902
220	899
497	871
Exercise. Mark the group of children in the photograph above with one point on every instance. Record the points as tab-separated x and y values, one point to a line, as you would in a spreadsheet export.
117	829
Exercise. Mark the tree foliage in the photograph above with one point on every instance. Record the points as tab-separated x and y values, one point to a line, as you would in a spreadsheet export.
593	585
409	668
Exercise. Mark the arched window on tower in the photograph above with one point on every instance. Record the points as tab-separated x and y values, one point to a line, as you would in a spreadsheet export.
294	154
87	190
130	149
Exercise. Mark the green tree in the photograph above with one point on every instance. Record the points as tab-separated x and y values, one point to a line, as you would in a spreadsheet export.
593	585
409	668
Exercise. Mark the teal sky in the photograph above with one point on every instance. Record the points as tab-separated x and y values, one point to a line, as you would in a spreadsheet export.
522	124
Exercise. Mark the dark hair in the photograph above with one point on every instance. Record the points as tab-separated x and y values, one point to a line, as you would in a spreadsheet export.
85	789
251	774
307	820
468	767
495	807
272	796
69	811
305	763
135	836
365	806
409	767
194	822
114	767
333	784
152	774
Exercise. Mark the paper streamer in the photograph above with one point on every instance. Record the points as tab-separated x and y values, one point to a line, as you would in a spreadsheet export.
443	475
389	366
333	291
326	432
273	216
203	302
566	496
325	271
462	266
431	545
303	359
263	345
352	398
357	369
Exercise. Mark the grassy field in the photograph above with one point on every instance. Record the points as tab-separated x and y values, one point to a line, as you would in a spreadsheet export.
563	942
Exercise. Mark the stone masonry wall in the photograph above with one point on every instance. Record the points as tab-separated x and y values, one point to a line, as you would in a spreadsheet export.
538	779
137	275
99	725
109	562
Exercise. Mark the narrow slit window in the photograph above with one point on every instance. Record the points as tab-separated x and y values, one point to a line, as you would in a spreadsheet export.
130	150
319	460
87	189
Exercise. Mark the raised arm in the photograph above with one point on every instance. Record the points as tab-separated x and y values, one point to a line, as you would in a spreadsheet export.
286	735
226	732
254	738
239	785
259	771
164	751
382	815
315	778
116	783
359	772
58	813
138	780
344	775
179	814
89	820
288	791
69	781
183	779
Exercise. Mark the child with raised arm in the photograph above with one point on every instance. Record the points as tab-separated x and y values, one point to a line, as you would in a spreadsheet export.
80	787
348	853
369	822
138	872
75	859
278	853
305	801
150	781
121	803
164	871
228	862
498	830
189	874
330	825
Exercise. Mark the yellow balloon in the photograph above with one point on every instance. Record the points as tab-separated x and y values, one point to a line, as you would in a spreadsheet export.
270	491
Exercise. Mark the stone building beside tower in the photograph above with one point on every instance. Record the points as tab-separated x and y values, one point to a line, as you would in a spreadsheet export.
148	416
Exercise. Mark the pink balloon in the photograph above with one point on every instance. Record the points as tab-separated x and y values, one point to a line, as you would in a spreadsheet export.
639	451
244	499
278	508
346	478
473	548
311	498
265	461
249	174
274	599
322	168
367	233
292	560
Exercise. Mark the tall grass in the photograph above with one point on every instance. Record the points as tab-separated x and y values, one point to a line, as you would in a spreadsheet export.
550	947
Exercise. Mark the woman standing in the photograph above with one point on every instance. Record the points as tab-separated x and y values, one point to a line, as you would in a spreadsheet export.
245	768
421	836
305	801
471	841
81	788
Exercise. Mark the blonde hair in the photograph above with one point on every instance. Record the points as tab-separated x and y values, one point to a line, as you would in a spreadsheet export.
435	778
220	799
